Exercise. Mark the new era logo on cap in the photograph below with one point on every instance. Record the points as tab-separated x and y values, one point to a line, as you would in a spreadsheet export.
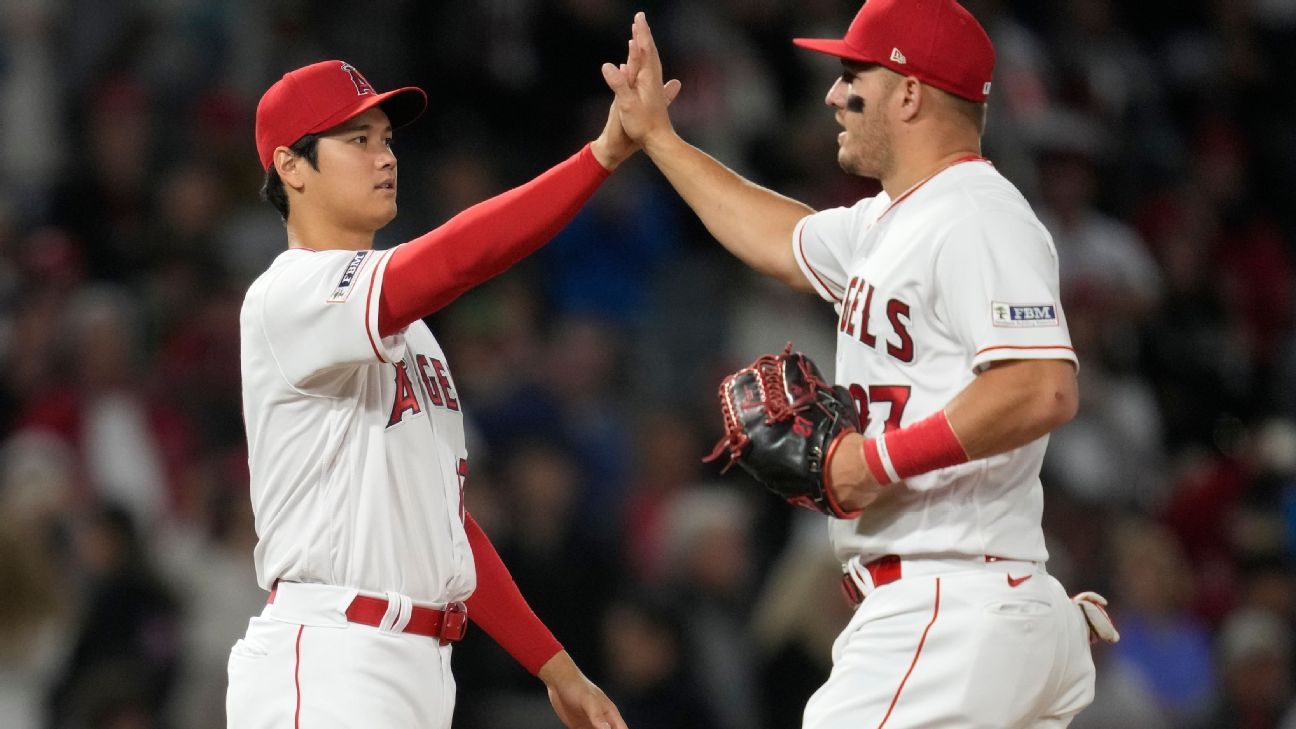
945	46
320	96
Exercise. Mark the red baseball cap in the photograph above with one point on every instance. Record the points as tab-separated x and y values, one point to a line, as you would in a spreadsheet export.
320	96
936	41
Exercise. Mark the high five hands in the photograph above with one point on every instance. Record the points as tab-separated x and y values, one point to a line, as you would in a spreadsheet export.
638	114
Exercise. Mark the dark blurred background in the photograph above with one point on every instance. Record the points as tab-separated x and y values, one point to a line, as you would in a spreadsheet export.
1157	141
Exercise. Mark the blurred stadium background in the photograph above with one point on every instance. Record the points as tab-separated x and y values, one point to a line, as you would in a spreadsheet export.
1156	139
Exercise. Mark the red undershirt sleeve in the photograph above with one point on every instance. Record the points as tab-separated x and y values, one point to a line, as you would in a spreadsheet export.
497	607
434	269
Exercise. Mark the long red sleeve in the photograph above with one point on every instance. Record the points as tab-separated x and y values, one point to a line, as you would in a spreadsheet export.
498	607
483	241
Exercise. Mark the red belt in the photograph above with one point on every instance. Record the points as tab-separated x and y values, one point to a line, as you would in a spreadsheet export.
883	570
448	625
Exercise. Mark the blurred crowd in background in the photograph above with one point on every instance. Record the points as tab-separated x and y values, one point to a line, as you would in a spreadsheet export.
1156	140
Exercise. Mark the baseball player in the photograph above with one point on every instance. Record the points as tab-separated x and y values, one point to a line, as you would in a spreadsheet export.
355	427
952	343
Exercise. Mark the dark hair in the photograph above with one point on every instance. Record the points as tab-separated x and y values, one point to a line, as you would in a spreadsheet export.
272	190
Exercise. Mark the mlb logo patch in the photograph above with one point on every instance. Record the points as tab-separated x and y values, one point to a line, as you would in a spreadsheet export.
1023	315
343	288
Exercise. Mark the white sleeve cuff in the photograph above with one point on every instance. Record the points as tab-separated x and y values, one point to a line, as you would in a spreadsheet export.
822	285
986	355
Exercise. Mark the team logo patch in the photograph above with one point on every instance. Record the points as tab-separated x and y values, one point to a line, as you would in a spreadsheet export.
343	288
1023	315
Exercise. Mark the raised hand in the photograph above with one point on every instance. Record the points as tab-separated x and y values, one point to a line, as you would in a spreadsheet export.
641	95
614	145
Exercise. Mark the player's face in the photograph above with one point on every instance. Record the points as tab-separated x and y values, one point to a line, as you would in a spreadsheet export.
356	182
860	97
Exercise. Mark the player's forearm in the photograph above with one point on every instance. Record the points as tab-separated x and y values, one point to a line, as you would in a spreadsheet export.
753	222
434	269
1005	407
497	607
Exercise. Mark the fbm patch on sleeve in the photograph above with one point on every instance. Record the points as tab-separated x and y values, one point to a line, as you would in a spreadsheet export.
343	289
1023	315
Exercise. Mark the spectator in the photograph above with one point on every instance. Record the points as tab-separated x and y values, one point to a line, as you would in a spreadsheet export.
1160	639
126	646
647	665
1254	653
710	568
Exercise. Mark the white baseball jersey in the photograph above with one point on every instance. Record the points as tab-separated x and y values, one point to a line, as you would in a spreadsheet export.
356	442
952	275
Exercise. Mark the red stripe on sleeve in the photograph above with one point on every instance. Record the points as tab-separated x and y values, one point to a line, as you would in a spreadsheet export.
810	267
498	607
373	276
1046	346
483	241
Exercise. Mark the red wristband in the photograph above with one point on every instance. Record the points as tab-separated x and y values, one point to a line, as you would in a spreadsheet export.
927	445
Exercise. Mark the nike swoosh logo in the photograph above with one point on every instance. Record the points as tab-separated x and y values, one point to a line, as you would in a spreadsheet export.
1015	581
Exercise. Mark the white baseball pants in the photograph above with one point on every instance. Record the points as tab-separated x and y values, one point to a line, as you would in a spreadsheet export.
302	665
959	644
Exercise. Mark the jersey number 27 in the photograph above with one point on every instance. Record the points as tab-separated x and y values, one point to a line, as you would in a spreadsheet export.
896	395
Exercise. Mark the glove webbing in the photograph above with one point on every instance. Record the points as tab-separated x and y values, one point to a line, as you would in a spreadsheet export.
773	395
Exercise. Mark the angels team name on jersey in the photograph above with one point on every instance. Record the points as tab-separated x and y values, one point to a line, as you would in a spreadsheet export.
859	298
438	389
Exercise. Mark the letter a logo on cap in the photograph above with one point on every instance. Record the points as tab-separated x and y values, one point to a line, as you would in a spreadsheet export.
361	83
897	56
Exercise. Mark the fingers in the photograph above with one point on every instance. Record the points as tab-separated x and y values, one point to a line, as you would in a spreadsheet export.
608	718
599	710
614	77
672	89
633	59
644	40
638	59
619	78
616	721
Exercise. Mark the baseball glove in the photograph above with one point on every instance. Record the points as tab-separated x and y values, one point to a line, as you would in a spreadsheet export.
781	423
